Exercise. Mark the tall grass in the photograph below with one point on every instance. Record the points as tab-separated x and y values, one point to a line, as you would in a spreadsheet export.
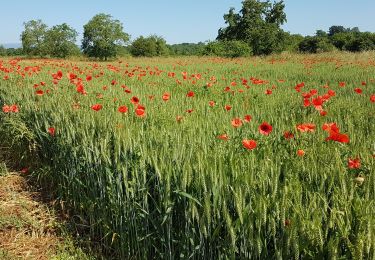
154	187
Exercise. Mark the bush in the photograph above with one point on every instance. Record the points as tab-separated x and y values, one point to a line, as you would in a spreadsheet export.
315	45
149	46
229	49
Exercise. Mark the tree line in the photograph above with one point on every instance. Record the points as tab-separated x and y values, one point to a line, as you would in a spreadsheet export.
254	30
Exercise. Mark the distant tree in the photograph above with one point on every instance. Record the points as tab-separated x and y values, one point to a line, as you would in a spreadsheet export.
336	29
257	24
189	49
321	33
102	35
355	30
341	40
60	41
315	44
33	37
149	46
361	42
14	51
3	51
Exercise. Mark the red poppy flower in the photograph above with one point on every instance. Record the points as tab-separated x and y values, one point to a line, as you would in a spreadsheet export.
330	127
80	89
331	92
140	111
51	131
265	128
342	84
249	144
338	137
268	92
122	109
223	137
354	163
228	107
372	98
300	152
323	113
288	135
306	102
134	100
211	103
247	118
308	127
236	122
88	78
96	107
39	92
190	94
358	90
14	108
166	96
6	109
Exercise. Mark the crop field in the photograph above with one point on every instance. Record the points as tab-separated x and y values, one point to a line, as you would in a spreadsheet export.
202	158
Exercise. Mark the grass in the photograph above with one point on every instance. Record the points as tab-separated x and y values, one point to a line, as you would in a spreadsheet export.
159	187
28	228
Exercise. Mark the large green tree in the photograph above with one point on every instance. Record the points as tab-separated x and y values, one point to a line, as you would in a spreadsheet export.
102	35
33	37
258	24
60	41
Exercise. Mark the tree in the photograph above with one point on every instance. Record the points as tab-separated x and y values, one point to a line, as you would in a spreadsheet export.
341	40
3	51
315	44
33	37
188	49
257	24
361	42
149	46
336	29
321	33
102	35
60	41
14	51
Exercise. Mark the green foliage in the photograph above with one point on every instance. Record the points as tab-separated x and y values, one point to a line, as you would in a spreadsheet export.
60	41
229	49
33	38
101	36
150	46
14	51
3	51
155	188
257	24
341	40
187	49
315	44
292	42
361	42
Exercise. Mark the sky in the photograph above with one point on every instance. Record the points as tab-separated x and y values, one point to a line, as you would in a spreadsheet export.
179	21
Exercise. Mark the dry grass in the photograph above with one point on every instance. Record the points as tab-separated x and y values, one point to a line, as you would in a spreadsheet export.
26	225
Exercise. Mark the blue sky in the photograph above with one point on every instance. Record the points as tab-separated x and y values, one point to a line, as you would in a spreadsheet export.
180	20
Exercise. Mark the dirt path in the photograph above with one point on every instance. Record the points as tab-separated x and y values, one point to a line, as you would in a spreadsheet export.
28	227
